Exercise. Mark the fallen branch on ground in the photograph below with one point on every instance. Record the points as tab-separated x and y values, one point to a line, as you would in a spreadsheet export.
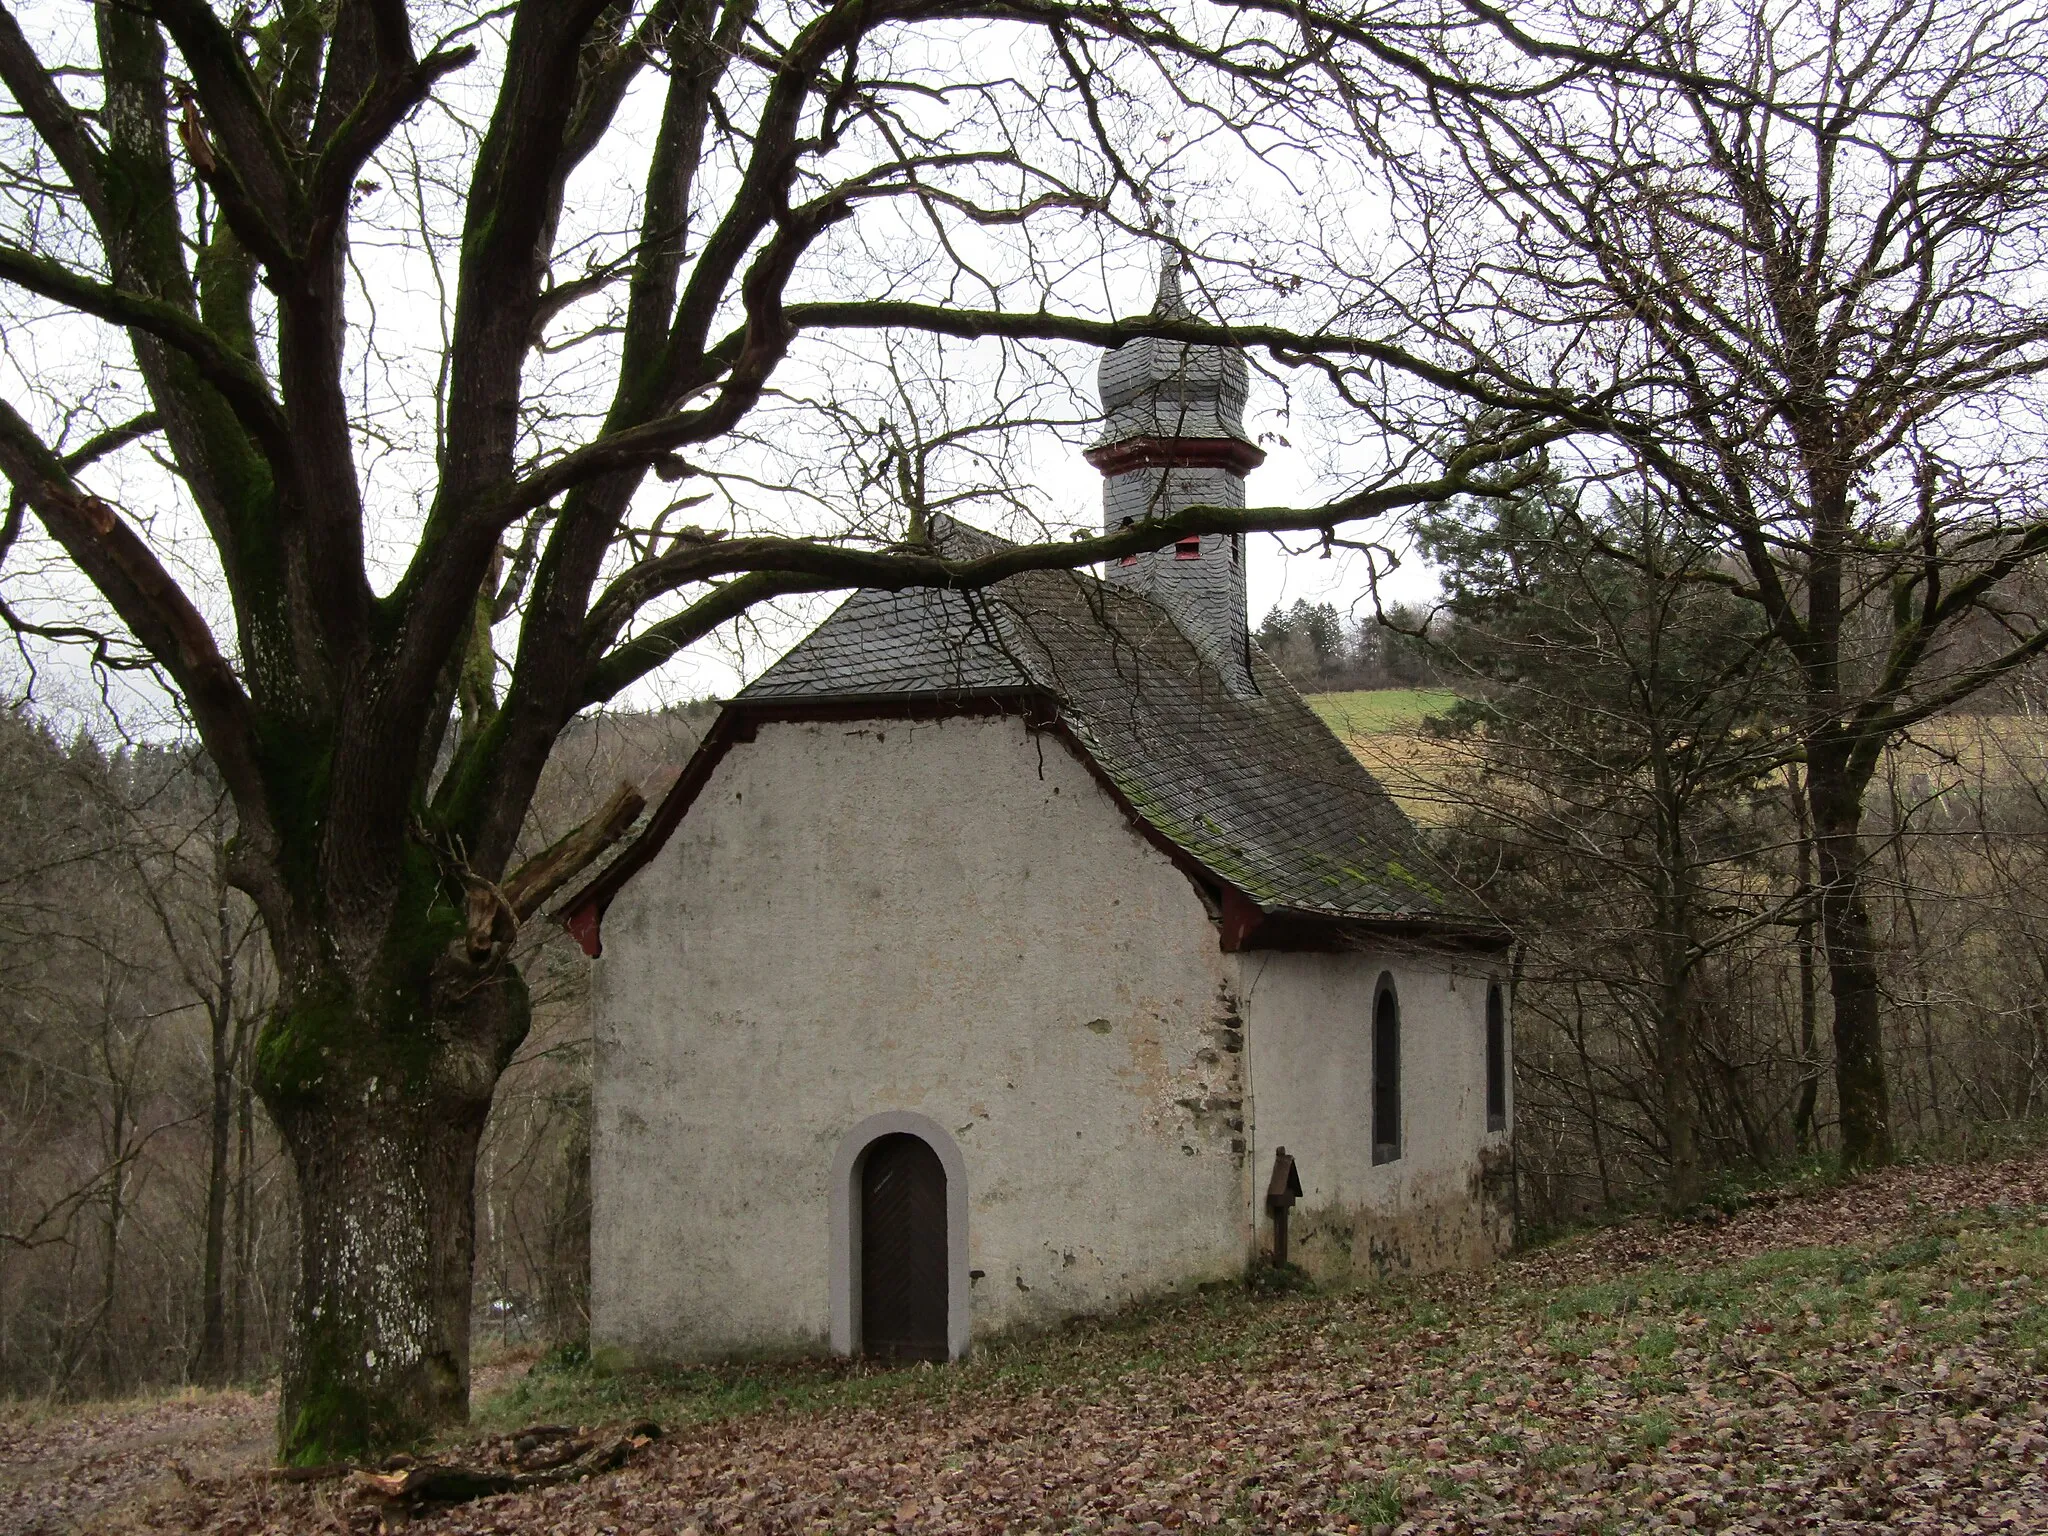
540	1457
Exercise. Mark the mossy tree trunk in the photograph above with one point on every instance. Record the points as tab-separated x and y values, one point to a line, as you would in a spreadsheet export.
382	1120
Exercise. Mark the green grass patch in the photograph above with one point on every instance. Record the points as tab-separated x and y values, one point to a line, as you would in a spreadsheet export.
1098	1357
1373	1502
1653	1430
1380	711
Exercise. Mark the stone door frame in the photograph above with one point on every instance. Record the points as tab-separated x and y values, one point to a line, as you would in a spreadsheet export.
845	1187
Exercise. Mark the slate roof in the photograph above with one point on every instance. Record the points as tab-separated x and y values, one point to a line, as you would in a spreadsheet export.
1172	389
1255	789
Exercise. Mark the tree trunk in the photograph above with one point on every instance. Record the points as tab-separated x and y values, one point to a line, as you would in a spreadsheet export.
245	1215
1861	1089
210	1360
110	1258
382	1112
1809	1003
210	1363
1675	1074
1923	978
1592	1097
1676	1079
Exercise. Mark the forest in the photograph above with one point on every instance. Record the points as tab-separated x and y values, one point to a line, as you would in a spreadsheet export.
146	1215
1622	776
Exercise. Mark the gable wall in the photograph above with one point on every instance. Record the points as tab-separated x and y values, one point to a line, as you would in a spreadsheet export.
1447	1200
948	918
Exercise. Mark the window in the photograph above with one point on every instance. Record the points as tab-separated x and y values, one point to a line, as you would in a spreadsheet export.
1127	559
1496	1059
1386	1074
1188	548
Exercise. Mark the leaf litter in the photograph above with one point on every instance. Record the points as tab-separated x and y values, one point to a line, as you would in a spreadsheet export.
1867	1357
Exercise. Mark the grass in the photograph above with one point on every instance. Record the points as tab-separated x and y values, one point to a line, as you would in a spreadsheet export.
1383	729
1947	760
1380	711
1940	1286
1376	1501
1219	1322
1950	746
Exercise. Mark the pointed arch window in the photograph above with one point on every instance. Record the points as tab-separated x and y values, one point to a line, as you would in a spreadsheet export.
1386	1073
1496	1058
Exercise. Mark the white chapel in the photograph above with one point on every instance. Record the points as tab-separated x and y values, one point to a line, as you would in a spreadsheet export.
1006	956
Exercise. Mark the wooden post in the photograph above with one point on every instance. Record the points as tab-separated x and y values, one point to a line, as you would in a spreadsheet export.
1281	1193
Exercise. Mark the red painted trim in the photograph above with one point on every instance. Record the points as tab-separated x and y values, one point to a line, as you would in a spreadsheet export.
1243	923
1241	919
739	722
582	925
1176	453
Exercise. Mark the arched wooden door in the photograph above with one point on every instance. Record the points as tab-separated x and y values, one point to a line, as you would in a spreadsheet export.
902	1251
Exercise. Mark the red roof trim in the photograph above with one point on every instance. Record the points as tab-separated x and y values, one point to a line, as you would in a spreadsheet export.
583	913
1176	452
1243	923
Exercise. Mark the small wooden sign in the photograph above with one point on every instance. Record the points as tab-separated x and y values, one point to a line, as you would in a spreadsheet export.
1281	1192
1285	1187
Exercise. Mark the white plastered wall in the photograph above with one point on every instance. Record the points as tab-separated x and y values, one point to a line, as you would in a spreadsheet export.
948	918
1446	1200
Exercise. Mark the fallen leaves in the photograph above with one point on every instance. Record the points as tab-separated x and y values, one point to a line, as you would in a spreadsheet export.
62	1469
1869	1358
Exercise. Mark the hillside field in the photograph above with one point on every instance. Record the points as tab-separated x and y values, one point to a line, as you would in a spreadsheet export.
1380	711
1383	729
1943	760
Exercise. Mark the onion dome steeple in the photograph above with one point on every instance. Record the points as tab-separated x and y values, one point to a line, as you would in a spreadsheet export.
1174	438
1155	392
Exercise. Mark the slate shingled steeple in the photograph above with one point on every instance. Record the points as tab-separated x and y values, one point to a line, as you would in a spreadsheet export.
1175	438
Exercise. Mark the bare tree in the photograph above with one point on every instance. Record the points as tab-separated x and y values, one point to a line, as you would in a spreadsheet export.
1785	256
209	933
378	637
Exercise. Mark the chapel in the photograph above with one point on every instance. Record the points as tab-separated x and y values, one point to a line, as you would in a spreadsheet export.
1006	956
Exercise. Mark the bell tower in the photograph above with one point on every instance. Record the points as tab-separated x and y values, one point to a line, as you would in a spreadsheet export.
1175	438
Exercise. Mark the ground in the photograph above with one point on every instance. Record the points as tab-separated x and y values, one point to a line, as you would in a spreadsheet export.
1866	1357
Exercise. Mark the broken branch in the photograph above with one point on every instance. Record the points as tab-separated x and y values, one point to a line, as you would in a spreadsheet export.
548	871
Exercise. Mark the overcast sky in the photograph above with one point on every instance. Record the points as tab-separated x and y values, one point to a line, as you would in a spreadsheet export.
1243	209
